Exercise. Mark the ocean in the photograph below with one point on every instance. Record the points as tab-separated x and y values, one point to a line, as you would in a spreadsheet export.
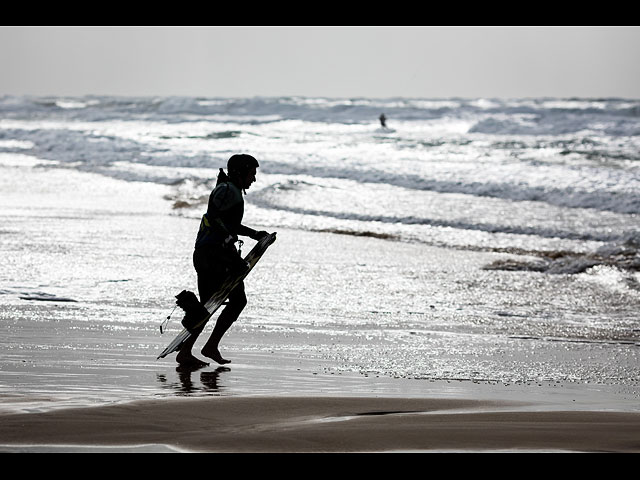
482	241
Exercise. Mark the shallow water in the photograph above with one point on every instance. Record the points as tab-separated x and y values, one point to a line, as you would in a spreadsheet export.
448	254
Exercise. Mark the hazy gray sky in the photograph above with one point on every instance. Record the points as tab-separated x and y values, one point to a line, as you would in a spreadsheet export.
425	62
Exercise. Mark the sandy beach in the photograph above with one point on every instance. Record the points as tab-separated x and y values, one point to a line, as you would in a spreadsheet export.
337	424
79	373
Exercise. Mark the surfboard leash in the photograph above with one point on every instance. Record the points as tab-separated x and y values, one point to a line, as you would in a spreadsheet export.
164	323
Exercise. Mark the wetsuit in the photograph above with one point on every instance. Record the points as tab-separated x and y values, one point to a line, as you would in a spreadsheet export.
215	255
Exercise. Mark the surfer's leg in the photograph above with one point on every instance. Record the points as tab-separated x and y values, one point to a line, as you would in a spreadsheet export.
207	284
185	357
237	302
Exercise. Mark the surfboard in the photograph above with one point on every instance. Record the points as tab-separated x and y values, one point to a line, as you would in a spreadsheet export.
218	298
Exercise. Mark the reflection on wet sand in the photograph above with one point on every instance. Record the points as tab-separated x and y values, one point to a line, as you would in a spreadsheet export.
209	381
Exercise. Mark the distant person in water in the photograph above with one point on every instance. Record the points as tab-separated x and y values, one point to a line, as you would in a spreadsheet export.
215	254
383	120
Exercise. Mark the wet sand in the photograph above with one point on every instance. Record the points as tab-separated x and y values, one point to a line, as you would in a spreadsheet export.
328	424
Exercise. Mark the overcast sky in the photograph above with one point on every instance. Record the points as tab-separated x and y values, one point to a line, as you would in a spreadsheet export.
428	62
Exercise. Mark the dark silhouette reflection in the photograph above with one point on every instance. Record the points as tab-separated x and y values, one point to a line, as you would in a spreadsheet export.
209	381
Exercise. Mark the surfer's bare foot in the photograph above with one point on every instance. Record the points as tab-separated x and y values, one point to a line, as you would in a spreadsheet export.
214	354
187	360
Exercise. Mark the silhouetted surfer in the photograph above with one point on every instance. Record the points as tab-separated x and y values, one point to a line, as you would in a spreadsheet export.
383	120
215	254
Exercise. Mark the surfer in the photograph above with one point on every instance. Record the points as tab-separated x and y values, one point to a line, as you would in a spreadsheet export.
215	254
383	120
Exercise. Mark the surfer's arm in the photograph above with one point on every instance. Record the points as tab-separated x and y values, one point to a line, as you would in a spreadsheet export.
219	227
219	202
250	232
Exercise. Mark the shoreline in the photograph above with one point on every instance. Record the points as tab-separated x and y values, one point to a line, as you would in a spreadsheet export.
267	424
